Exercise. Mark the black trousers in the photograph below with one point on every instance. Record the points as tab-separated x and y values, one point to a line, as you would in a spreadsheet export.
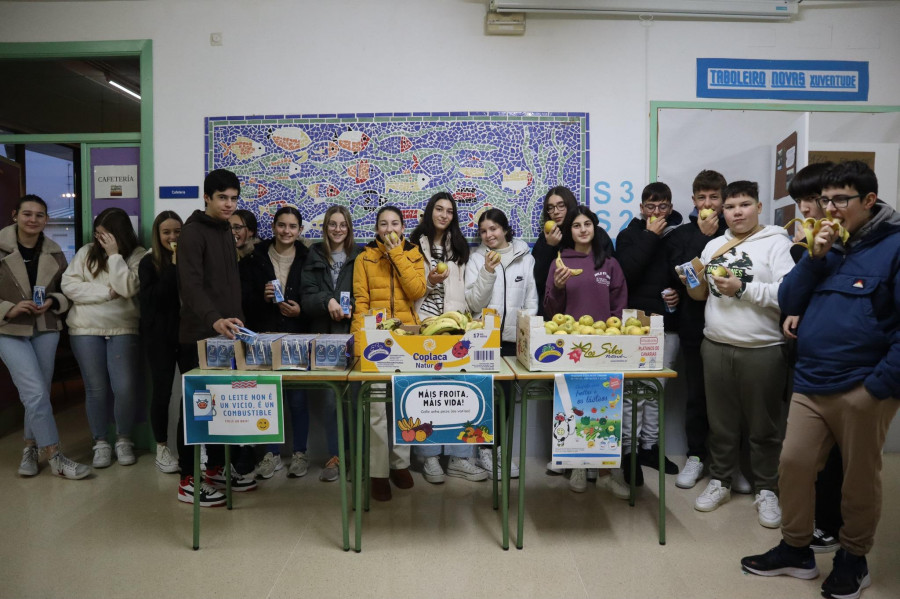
696	424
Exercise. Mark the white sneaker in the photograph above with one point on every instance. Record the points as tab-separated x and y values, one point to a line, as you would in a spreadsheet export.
102	454
615	484
279	465
769	510
739	482
485	461
266	467
166	461
62	466
29	464
578	480
432	470
712	497
690	474
125	452
467	469
299	465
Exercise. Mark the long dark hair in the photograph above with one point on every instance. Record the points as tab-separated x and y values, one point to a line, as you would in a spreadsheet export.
498	216
597	250
117	223
454	243
349	240
162	256
568	199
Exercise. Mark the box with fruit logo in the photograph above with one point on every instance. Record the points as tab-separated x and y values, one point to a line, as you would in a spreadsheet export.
451	342
566	343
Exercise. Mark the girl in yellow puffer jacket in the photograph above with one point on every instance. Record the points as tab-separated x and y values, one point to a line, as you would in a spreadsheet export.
388	274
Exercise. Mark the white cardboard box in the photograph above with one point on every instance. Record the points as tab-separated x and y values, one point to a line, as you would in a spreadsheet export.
386	351
539	351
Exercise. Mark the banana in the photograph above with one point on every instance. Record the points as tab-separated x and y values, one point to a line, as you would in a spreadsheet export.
812	226
459	317
389	324
475	324
418	422
442	325
560	264
429	320
401	424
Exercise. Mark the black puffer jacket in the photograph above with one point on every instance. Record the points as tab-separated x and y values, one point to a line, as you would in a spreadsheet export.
256	271
642	255
317	290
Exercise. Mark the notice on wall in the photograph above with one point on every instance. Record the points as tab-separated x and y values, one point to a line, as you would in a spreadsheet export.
115	181
587	420
447	409
232	409
785	165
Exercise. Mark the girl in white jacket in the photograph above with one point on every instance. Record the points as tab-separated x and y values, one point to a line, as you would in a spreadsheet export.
102	282
500	275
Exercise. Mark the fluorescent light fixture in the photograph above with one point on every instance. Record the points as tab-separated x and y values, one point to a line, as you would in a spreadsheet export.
705	9
121	87
508	23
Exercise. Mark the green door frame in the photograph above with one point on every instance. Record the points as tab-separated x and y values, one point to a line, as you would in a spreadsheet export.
141	48
656	106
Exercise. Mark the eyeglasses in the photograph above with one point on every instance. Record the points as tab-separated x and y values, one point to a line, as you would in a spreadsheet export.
337	226
238	228
656	207
838	201
555	208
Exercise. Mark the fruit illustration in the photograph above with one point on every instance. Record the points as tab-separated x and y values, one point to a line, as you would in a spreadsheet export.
560	264
461	349
420	435
706	213
549	226
475	434
408	436
414	430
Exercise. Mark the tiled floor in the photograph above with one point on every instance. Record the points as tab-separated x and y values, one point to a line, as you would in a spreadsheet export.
122	533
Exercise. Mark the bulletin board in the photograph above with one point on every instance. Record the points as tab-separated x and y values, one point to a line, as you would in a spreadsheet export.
505	160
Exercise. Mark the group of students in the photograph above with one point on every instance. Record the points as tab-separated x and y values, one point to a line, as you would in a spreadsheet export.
833	319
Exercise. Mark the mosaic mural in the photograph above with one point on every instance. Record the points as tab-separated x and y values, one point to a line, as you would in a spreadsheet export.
504	160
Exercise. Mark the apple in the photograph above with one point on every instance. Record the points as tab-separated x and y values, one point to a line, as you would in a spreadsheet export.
718	271
559	318
561	332
613	322
568	327
633	322
633	330
550	326
570	319
586	320
612	331
441	268
653	219
600	325
394	237
492	256
645	329
706	213
548	227
586	330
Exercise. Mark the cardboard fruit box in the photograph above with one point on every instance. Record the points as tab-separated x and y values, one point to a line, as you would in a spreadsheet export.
540	351
478	350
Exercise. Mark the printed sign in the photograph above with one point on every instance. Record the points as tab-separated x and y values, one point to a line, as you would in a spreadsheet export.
587	420
115	181
829	80
176	192
232	409
450	409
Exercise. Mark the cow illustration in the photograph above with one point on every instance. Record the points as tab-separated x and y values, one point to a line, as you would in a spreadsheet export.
563	428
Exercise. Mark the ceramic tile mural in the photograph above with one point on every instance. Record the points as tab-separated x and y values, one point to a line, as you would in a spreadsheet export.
504	160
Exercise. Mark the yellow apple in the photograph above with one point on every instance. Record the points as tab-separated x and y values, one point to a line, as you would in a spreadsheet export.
561	332
645	329
612	331
653	219
550	327
570	318
600	325
394	237
718	271
706	213
559	318
568	327
587	320
585	330
633	322
633	330
548	227
441	268
613	322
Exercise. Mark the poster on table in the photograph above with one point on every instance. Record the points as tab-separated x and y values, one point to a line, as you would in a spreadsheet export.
450	409
587	419
232	409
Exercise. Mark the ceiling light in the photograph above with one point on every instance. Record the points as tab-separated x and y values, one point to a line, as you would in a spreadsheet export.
121	87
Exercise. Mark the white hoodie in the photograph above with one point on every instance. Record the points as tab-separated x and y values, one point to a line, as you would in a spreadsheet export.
761	262
514	290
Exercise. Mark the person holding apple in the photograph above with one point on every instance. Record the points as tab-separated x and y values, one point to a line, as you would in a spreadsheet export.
744	269
587	280
682	245
446	252
641	251
388	274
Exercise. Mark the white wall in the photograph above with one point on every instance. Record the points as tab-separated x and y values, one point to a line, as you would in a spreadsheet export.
313	56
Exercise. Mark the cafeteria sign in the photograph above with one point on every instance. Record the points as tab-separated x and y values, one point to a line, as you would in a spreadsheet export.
447	409
232	409
825	80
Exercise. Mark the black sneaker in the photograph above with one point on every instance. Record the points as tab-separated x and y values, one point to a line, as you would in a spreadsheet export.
849	576
650	458
626	470
783	560
822	542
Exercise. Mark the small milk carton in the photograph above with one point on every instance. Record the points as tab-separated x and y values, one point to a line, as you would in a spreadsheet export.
292	352
332	352
216	353
258	354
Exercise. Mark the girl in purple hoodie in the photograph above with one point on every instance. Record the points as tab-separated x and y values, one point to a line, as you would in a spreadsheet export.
600	291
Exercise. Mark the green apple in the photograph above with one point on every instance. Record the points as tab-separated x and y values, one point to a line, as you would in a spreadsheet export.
585	330
559	318
570	318
706	213
600	325
633	322
586	320
718	271
550	327
568	327
613	322
612	331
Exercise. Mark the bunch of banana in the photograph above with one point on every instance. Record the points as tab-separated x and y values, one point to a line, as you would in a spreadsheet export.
812	226
559	264
407	424
475	324
448	323
389	324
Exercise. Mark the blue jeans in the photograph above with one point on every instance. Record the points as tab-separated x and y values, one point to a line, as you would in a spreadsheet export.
30	362
108	362
295	400
430	451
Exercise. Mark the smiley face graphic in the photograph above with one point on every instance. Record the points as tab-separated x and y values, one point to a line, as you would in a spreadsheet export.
262	424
